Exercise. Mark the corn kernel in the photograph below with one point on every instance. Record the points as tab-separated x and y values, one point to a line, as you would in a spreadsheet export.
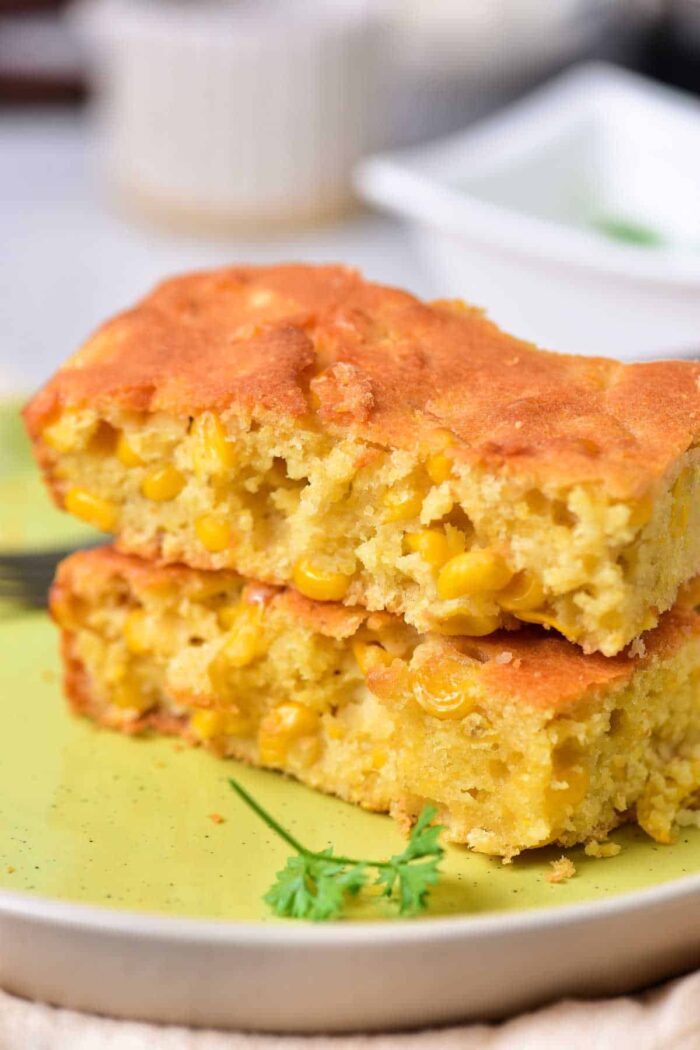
97	512
472	625
473	572
126	454
379	758
63	435
208	724
134	631
245	637
335	730
523	592
127	695
688	596
439	467
438	458
548	620
237	724
680	509
227	616
432	545
456	540
163	484
212	453
570	780
641	511
213	532
402	503
282	726
243	645
448	691
370	656
319	584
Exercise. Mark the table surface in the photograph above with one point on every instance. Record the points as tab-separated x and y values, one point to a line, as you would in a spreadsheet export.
69	259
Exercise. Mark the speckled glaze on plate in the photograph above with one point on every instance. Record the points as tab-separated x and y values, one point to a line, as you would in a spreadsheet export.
118	892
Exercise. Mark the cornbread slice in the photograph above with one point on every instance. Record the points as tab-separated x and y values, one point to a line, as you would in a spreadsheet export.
301	425
518	739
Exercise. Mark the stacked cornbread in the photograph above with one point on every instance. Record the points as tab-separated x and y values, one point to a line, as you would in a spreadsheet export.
385	547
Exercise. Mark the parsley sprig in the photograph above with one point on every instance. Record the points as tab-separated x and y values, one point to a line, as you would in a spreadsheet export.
316	884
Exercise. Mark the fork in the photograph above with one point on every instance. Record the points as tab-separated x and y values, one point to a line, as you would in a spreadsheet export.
26	576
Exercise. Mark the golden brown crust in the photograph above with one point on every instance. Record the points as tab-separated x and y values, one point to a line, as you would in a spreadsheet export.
537	669
546	671
254	338
88	571
530	666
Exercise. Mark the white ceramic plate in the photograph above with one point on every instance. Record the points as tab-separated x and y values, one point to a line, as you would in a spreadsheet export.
343	977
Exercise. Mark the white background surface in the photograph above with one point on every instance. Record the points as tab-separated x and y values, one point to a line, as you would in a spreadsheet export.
69	259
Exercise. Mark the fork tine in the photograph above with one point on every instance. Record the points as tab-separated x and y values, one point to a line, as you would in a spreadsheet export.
40	573
16	581
11	591
38	582
34	596
29	558
26	576
28	599
11	571
24	565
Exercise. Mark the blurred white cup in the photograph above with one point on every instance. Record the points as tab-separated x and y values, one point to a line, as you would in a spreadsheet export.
221	114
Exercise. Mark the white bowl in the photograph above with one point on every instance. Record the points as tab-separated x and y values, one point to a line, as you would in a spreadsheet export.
240	114
509	214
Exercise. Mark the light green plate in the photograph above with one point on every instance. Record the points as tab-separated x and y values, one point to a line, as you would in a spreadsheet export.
89	815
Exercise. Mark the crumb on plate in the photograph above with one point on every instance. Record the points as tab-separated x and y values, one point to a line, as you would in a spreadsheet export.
688	818
602	849
562	870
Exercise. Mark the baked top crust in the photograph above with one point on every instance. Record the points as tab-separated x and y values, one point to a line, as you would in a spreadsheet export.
529	667
297	340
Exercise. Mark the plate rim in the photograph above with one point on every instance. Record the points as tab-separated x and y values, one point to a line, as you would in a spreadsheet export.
95	918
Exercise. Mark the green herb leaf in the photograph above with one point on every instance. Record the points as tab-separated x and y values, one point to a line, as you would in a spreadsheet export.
410	881
353	879
415	881
315	884
307	888
629	232
425	837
